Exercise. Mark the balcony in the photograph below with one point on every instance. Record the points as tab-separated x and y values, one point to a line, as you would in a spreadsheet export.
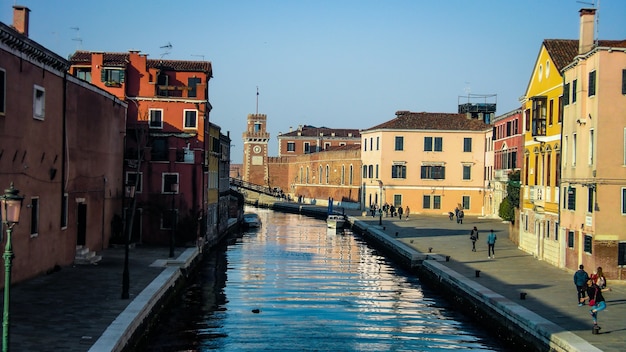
536	194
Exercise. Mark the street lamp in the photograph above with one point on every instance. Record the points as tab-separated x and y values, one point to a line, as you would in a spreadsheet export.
11	205
130	193
174	189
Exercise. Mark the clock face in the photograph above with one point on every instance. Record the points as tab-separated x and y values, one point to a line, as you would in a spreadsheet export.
256	149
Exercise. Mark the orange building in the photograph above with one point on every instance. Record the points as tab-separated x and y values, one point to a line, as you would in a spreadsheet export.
165	156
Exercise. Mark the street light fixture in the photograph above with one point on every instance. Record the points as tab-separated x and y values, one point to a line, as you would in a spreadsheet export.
174	190
11	205
130	193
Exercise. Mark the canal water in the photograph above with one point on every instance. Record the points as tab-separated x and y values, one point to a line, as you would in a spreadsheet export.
294	285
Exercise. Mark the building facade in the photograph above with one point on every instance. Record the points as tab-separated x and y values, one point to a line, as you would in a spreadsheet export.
508	146
431	162
255	142
540	177
62	143
593	184
309	139
168	111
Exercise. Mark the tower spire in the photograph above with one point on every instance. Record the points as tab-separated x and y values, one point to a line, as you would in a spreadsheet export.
257	100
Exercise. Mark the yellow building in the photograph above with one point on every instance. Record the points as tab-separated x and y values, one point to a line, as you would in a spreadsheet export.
430	162
593	183
542	119
213	158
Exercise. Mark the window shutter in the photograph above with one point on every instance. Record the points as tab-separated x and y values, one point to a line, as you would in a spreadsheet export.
592	84
122	76
624	81
103	75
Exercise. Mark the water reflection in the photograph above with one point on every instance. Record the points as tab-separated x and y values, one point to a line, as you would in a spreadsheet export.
294	285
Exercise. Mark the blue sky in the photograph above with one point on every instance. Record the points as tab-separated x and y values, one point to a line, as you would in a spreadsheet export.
333	63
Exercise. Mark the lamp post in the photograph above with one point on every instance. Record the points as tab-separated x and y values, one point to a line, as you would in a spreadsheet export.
11	205
174	189
130	193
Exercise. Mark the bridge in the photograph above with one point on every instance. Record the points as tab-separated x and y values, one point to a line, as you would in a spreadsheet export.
239	183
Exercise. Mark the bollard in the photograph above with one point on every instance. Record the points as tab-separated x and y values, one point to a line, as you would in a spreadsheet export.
477	273
522	295
430	249
384	227
396	234
447	258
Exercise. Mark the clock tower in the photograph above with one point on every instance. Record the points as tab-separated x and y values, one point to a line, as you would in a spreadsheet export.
255	141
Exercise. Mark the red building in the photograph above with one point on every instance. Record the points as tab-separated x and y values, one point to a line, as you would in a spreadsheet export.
168	110
309	139
61	145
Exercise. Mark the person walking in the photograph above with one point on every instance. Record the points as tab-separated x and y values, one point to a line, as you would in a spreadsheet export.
461	216
400	211
599	279
596	301
580	280
407	212
491	244
474	237
392	210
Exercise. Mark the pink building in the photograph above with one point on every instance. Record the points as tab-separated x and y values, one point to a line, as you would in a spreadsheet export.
62	143
508	147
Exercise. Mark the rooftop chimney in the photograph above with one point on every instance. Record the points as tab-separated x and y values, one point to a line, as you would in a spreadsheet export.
585	41
20	19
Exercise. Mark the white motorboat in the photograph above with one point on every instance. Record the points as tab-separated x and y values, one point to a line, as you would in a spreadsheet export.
335	221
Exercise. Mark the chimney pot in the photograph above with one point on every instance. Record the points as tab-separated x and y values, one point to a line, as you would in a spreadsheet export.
20	19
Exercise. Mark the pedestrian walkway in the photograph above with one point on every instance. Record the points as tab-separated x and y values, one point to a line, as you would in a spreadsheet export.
70	309
549	291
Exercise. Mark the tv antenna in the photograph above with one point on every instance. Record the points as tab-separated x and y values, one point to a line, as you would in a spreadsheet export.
202	56
77	38
257	100
167	47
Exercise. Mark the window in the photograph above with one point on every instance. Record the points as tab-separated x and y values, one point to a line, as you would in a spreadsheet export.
397	200
191	119
364	171
574	84
436	202
426	202
291	146
376	171
307	147
39	102
551	112
570	239
326	145
34	216
467	172
592	84
433	172
343	175
539	112
591	147
156	118
438	144
134	178
83	73
574	149
377	143
623	201
571	198
112	77
466	202
168	182
64	210
549	169
159	150
428	144
560	108
527	119
590	199
398	171
364	144
3	89
350	175
257	127
624	81
319	174
399	143
587	244
192	83
621	252
467	145
566	94
370	171
327	174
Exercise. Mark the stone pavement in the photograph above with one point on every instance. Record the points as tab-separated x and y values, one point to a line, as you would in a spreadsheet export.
550	291
68	310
